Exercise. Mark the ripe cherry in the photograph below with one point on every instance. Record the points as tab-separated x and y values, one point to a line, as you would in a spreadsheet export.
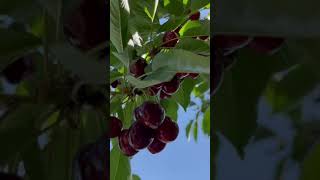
182	75
195	16
193	75
140	136
153	90
168	131
16	71
164	95
170	39
115	83
156	146
85	24
230	43
266	45
115	125
137	67
171	86
6	176
151	114
124	144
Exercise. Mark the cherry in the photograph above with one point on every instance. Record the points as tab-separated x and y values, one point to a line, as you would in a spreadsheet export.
177	30
170	39
230	43
85	26
195	16
164	95
193	75
140	136
171	86
137	67
125	145
16	71
266	45
6	176
156	146
153	90
182	75
168	131
203	37
151	114
115	127
115	83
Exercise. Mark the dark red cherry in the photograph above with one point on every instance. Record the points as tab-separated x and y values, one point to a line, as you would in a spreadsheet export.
195	16
124	144
151	114
182	75
177	29
266	45
230	43
18	70
85	25
172	86
115	83
203	37
164	95
156	146
6	176
193	75
170	39
140	136
115	127
153	90
137	67
168	131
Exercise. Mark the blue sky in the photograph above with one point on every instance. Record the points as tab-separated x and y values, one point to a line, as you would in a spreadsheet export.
181	159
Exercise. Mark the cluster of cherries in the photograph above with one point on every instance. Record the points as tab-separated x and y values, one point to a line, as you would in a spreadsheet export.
166	89
226	47
151	129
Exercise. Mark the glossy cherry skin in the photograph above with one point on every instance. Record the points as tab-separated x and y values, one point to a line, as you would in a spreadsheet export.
193	75
137	67
151	114
115	127
168	131
153	90
182	75
230	43
140	136
164	95
171	86
115	83
156	146
266	45
195	16
124	144
170	39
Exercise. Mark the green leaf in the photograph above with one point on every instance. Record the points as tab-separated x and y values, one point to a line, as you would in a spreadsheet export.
188	128
280	94
89	69
206	122
171	24
160	75
239	94
174	7
198	4
194	45
128	114
310	165
156	3
183	95
135	177
195	130
118	26
182	61
195	28
14	44
171	108
120	166
33	162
